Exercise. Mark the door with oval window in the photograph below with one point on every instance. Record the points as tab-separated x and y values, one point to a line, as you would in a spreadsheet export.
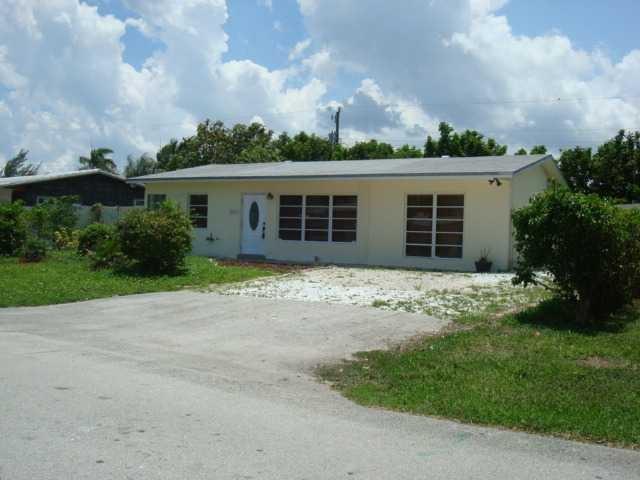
254	224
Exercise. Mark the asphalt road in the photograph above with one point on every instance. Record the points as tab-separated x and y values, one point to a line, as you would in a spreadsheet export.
199	386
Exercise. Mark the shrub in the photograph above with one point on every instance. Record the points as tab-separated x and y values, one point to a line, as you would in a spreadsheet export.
589	246
66	239
13	229
95	213
156	240
34	250
90	236
107	254
51	216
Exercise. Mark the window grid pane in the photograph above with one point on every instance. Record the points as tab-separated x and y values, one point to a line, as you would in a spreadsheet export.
434	226
290	221
318	218
154	200
199	210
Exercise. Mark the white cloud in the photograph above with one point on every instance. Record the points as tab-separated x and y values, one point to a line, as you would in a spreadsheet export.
64	85
321	64
458	60
67	87
298	49
266	3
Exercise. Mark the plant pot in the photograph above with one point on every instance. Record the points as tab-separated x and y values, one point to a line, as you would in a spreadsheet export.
483	266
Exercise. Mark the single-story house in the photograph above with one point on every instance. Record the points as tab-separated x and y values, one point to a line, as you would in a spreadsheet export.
90	186
436	213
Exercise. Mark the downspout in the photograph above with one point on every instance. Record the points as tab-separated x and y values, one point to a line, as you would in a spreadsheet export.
510	257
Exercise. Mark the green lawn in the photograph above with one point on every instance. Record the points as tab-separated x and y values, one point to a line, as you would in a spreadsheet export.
528	371
66	277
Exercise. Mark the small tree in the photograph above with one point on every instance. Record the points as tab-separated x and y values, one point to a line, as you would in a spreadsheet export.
55	214
589	246
18	166
13	229
158	240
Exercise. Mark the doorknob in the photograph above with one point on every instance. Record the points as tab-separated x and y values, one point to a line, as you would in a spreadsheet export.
264	225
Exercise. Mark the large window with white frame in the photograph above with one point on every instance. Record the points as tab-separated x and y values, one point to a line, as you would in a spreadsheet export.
318	218
434	226
199	210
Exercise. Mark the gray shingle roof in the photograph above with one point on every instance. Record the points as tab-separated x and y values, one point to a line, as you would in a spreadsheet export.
406	167
16	181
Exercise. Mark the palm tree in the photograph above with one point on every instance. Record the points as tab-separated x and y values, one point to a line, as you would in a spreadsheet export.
98	159
18	166
145	164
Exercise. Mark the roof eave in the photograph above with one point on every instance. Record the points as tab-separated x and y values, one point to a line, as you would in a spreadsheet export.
385	176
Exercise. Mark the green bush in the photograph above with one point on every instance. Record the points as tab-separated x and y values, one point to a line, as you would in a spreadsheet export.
95	213
91	236
34	250
51	216
590	247
108	254
13	229
157	241
66	239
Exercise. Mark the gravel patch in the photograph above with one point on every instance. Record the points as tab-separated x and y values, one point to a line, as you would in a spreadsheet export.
445	295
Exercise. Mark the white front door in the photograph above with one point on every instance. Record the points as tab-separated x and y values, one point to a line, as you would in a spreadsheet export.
254	223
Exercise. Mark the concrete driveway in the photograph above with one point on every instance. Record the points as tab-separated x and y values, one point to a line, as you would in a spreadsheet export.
197	385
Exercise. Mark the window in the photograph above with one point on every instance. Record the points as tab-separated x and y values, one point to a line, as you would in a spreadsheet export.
434	226
290	217
318	218
199	210
449	225
154	200
138	202
42	199
344	218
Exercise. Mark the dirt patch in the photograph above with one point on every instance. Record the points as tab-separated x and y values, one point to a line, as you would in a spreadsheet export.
603	362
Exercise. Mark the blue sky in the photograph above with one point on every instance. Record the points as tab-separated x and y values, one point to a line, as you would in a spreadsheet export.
608	24
136	73
266	35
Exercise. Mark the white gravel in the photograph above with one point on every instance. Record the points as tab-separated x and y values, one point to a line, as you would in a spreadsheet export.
442	294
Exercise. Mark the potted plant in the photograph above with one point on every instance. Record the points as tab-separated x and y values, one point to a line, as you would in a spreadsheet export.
483	264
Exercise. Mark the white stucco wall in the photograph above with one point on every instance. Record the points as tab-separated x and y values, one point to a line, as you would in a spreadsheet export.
381	220
5	195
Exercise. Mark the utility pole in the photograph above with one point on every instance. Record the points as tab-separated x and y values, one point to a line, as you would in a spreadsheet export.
334	136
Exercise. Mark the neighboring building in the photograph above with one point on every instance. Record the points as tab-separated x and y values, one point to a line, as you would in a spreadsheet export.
436	213
90	186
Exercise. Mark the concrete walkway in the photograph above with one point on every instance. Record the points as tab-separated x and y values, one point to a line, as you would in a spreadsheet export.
193	385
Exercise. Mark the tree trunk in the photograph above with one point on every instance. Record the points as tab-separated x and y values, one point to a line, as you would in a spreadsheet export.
583	311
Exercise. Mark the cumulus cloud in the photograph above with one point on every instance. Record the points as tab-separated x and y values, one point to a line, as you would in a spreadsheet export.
458	60
64	85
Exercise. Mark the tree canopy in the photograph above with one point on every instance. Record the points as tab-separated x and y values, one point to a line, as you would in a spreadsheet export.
216	143
98	158
613	171
19	166
469	143
145	164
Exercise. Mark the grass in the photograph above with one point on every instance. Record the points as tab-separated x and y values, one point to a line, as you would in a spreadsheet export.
528	371
455	304
66	277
